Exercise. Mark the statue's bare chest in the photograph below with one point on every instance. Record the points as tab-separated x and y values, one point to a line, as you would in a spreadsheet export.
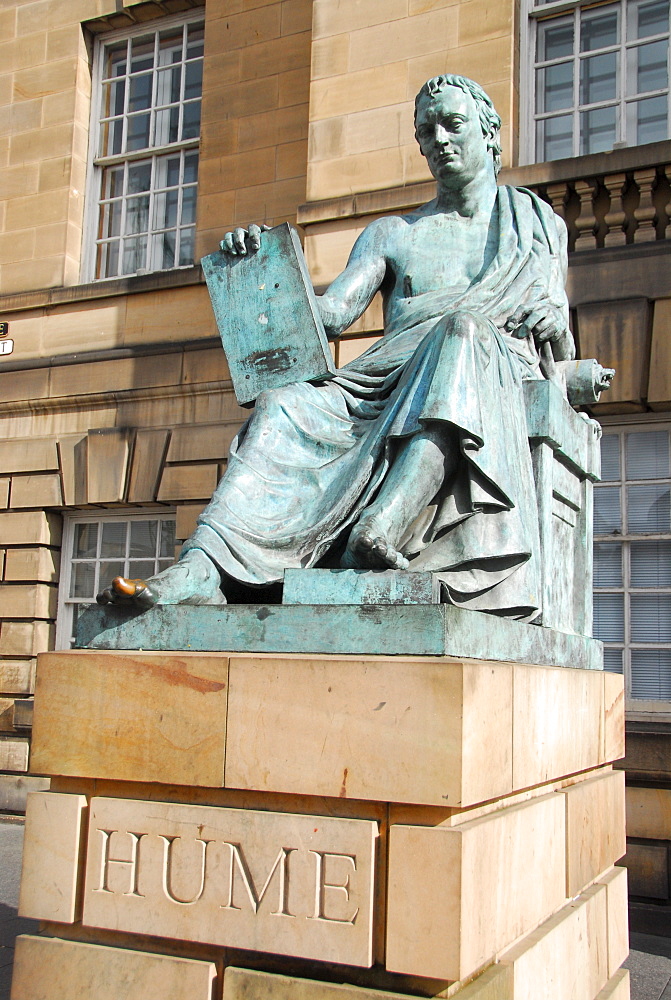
441	253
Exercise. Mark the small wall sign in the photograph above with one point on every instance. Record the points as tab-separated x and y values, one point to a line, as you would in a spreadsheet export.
4	329
6	346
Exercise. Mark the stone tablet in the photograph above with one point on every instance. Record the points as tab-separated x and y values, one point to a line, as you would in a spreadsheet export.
267	315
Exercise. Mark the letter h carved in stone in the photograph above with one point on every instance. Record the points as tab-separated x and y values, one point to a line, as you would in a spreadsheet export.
131	863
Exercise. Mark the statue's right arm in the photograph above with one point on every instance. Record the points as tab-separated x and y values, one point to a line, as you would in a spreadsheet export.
351	293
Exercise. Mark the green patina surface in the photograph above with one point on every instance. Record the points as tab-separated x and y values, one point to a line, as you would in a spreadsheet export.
413	630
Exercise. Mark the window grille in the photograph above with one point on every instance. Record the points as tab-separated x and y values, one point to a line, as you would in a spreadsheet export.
145	136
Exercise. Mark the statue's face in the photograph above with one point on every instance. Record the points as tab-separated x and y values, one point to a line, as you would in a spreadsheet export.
450	136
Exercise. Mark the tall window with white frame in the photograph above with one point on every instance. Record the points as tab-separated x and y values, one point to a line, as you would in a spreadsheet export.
600	76
96	548
144	148
632	560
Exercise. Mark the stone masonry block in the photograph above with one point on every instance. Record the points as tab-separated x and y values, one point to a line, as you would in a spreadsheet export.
134	716
51	851
458	896
52	969
595	828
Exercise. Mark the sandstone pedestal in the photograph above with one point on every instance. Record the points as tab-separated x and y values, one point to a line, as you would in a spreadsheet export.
323	827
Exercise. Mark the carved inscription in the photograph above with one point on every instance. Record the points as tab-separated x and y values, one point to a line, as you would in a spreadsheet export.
276	882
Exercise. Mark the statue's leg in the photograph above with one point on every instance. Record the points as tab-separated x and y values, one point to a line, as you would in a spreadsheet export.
193	579
421	466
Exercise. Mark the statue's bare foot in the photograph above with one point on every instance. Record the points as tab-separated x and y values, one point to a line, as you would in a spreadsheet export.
368	548
194	579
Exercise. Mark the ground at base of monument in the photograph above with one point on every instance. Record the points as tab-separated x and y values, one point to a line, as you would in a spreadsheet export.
406	630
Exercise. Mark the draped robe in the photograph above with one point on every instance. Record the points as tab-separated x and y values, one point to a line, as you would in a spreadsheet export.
312	456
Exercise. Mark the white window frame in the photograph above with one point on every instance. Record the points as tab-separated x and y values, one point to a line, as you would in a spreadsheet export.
66	604
533	13
637	709
96	163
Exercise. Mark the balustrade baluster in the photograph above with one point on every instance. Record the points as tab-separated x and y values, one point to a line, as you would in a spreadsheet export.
585	223
667	207
615	218
645	215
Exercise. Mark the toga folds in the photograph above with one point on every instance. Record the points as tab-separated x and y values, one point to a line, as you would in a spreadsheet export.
312	456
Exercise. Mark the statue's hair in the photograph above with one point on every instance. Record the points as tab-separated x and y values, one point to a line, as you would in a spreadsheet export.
490	120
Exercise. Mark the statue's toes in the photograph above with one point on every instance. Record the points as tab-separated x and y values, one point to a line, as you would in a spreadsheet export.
123	591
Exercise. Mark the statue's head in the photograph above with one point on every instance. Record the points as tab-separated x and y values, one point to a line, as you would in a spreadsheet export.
490	120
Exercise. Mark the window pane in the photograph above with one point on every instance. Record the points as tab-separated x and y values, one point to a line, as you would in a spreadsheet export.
168	85
134	254
648	120
554	87
165	209
114	539
651	673
170	46
139	94
193	84
140	569
647	455
649	508
555	39
115	59
651	617
113	98
139	177
137	215
599	30
82	580
607	518
142	54
609	617
143	539
86	541
650	18
597	130
110	219
137	135
112	186
108	570
555	137
167	126
111	137
191	120
167	538
195	37
190	168
607	564
107	260
610	457
186	247
598	78
164	249
650	564
647	67
612	660
189	205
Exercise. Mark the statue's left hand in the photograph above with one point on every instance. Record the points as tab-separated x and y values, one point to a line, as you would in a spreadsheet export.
239	241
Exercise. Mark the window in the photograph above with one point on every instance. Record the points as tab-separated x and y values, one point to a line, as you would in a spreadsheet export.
145	133
632	559
600	75
97	548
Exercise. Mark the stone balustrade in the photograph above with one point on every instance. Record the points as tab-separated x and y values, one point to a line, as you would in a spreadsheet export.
606	199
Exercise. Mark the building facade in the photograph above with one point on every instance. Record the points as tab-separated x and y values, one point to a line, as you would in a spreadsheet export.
134	133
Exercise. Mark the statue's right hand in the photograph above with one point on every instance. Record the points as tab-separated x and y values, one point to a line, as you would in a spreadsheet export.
241	241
